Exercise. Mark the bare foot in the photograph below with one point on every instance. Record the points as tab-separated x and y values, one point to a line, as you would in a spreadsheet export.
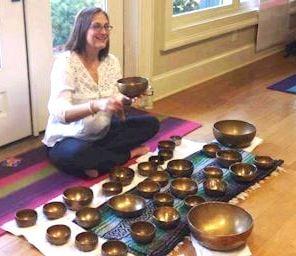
91	173
139	151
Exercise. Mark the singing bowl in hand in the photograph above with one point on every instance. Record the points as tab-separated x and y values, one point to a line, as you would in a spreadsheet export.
132	86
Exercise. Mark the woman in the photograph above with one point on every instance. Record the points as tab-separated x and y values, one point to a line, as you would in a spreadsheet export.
84	135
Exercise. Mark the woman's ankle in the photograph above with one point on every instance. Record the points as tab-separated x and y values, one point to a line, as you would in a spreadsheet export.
139	151
91	173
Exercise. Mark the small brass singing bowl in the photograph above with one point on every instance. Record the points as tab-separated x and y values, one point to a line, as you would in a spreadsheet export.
214	187
193	200
228	157
86	241
163	199
213	172
58	234
264	162
124	175
54	210
210	150
88	217
148	188
26	218
166	217
166	144
180	168
77	197
182	187
156	160
143	231
127	205
132	86
161	177
166	154
243	172
177	139
146	168
112	188
114	248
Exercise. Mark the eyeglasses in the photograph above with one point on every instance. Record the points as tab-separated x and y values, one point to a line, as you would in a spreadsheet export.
99	27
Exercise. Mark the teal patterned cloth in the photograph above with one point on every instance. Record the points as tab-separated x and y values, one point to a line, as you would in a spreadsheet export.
114	227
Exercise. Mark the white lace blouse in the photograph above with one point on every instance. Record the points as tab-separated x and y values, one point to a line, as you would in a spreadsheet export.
72	84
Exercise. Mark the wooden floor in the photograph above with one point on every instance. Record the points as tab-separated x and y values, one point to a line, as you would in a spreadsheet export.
241	94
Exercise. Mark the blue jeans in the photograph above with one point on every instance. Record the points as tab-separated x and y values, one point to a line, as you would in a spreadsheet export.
74	156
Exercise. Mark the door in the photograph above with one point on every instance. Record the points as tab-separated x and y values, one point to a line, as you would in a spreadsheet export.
15	119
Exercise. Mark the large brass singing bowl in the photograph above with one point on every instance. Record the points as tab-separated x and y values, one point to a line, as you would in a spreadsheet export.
127	205
77	197
132	86
220	226
180	168
234	133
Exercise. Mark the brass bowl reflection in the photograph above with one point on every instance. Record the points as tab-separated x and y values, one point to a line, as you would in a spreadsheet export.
77	197
114	248
143	231
156	160
213	172
210	150
193	200
180	168
26	218
166	154
146	168
127	205
54	210
58	234
228	157
220	226
177	139
163	199
234	133
243	172
182	187
86	241
161	177
215	187
147	188
166	144
88	217
112	188
124	175
264	162
132	86
166	217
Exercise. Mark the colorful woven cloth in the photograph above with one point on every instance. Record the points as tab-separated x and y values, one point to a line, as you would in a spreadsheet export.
287	85
29	180
114	227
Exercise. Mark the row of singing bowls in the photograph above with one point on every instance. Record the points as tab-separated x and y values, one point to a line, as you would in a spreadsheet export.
26	218
215	187
124	175
180	168
234	133
114	248
132	86
161	177
210	150
143	231
88	217
86	241
112	188
147	188
77	197
243	172
220	226
213	172
228	157
163	199
58	234
264	162
54	210
166	217
182	187
147	168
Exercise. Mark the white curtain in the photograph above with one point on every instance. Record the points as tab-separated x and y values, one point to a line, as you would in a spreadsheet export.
273	24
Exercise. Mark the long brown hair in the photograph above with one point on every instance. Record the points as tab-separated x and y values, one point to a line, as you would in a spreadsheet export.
77	39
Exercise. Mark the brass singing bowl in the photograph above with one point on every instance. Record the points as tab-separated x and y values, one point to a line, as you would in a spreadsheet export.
86	241
112	188
243	172
166	144
180	168
158	160
182	187
146	168
88	217
264	162
234	133
220	226
132	86
58	234
177	139
147	188
228	157
210	150
114	248
143	231
127	205
54	210
166	154
163	199
166	217
26	218
215	187
77	197
124	175
193	200
213	172
161	177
